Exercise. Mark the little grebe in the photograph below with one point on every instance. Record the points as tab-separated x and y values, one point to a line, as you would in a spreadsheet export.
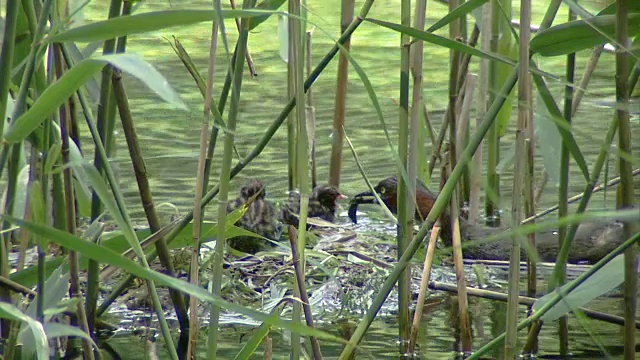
387	189
592	241
259	218
322	204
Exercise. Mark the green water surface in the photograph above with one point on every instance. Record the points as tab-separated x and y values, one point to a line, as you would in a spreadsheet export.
170	141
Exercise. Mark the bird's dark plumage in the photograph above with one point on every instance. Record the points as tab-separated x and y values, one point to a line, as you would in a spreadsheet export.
387	189
259	218
322	204
592	241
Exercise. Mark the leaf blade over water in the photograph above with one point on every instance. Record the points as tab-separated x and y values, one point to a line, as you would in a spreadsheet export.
603	281
58	92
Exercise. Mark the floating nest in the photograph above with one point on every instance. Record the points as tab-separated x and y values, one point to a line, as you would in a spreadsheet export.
347	265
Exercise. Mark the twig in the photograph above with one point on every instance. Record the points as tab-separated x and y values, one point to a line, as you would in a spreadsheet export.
252	68
424	286
524	300
16	287
575	198
303	291
364	257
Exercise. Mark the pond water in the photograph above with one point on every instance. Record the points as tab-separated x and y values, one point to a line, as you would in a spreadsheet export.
170	140
170	137
437	337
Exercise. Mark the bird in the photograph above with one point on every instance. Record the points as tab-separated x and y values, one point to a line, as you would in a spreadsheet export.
322	204
260	218
387	189
592	241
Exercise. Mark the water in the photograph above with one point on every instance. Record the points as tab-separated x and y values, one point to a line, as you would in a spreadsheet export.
160	128
170	140
436	337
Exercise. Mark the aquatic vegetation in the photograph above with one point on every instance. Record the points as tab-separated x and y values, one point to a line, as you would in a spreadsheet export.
81	237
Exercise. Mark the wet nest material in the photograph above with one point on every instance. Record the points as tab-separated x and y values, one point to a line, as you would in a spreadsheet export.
344	271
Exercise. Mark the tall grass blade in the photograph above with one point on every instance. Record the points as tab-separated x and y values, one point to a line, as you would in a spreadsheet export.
6	57
436	210
563	128
56	94
465	8
578	35
250	346
147	22
55	289
559	296
406	185
269	5
443	41
625	196
107	256
609	277
56	330
225	171
41	346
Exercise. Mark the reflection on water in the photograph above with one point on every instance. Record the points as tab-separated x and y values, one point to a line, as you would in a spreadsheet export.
437	337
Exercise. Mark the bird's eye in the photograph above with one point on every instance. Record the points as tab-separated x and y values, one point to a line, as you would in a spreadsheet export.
382	190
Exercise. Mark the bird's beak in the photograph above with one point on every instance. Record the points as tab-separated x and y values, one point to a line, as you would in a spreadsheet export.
366	197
